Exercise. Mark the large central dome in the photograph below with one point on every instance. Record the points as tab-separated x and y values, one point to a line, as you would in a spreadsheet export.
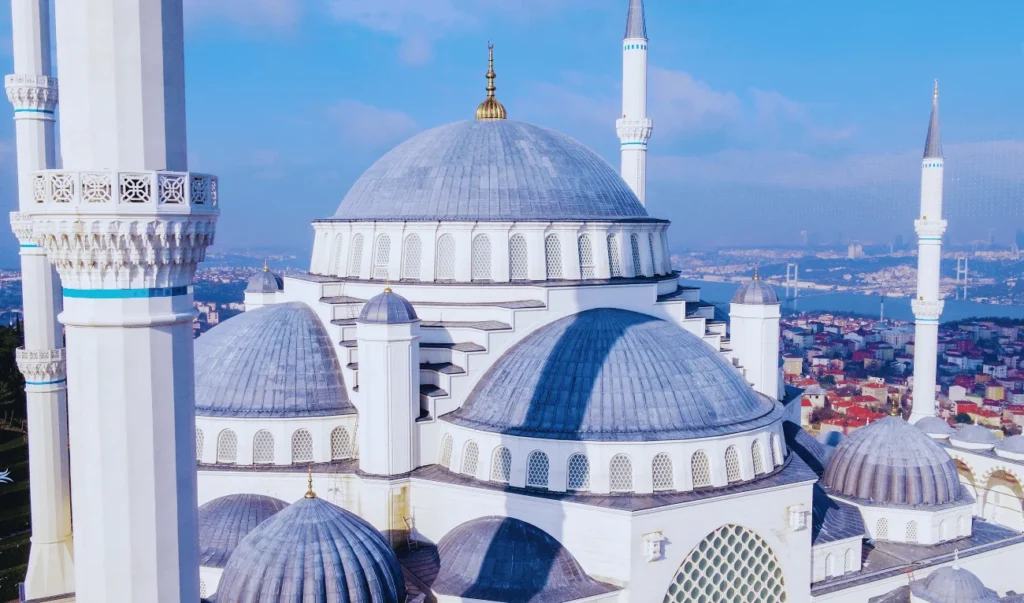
490	170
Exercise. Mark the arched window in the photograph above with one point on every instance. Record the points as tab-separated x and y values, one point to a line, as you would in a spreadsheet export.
336	267
830	565
355	264
263	448
501	465
482	258
302	447
848	561
445	264
730	564
518	259
661	472
586	256
227	446
614	269
776	450
882	529
650	247
634	244
470	458
944	529
911	531
961	526
341	444
200	439
382	257
700	466
620	474
537	470
411	258
446	451
755	452
732	465
553	256
578	473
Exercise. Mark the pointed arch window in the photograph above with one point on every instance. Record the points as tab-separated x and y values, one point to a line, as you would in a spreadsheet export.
614	268
411	258
263	448
446	451
586	248
501	465
620	474
518	258
650	247
227	447
481	258
578	473
470	458
634	247
553	256
302	446
355	265
661	472
537	470
341	444
445	264
382	257
700	467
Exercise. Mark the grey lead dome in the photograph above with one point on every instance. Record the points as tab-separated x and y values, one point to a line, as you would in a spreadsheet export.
388	308
225	521
490	170
613	375
890	462
755	292
952	585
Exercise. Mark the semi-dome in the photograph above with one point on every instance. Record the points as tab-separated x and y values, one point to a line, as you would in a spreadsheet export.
275	361
755	292
264	281
225	521
492	169
388	308
935	427
952	585
974	436
505	559
314	552
889	462
613	375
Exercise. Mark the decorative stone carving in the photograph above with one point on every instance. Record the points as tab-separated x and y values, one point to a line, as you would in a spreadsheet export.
634	130
41	366
797	517
21	224
927	310
32	93
91	191
654	546
930	228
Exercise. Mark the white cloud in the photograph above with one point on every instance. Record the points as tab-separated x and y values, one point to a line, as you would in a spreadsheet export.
277	13
772	109
368	125
680	103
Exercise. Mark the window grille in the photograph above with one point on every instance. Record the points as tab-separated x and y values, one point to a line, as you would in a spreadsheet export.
731	564
470	458
518	259
341	444
553	256
614	269
302	447
578	473
482	258
263	448
650	247
586	257
501	465
700	466
732	465
202	589
634	244
411	258
446	451
355	265
911	531
848	561
620	474
200	439
336	266
537	470
755	452
227	446
776	450
830	565
445	268
661	472
882	529
381	258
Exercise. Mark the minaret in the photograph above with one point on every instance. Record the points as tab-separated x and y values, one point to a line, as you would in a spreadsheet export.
126	225
33	92
927	306
754	316
634	129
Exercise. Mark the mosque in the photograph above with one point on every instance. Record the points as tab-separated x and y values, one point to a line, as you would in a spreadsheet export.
488	386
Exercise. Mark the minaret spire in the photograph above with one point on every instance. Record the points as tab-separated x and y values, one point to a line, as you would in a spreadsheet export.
634	129
933	144
636	22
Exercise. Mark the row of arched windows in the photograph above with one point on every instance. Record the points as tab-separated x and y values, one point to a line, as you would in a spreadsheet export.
620	467
912	532
481	257
830	564
263	450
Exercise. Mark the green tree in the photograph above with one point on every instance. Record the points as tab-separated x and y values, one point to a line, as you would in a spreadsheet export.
964	419
827	381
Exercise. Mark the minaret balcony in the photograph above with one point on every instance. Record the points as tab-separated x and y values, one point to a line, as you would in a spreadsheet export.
32	95
927	310
41	367
143	192
930	229
634	130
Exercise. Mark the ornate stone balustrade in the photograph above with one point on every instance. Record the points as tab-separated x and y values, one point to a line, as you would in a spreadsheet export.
927	310
634	130
32	94
21	224
141	192
930	229
41	367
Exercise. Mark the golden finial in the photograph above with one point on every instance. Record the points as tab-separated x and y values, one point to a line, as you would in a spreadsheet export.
309	483
491	108
757	276
896	410
266	268
387	286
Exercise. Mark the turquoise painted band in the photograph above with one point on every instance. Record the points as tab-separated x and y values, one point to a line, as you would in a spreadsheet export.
931	238
54	382
633	144
28	245
126	293
45	111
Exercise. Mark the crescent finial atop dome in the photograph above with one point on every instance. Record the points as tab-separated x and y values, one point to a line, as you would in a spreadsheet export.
491	108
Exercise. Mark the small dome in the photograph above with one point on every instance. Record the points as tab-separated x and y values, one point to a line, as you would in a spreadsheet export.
273	362
225	521
492	169
975	436
388	308
613	375
314	552
889	462
1012	447
935	427
755	292
264	281
952	585
505	559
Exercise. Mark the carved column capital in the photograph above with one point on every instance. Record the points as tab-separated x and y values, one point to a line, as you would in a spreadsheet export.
32	95
42	367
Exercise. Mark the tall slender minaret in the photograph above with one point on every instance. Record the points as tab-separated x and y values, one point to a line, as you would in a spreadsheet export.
634	129
33	92
126	224
927	306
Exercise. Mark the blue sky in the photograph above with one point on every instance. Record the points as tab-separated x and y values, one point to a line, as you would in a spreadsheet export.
770	117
